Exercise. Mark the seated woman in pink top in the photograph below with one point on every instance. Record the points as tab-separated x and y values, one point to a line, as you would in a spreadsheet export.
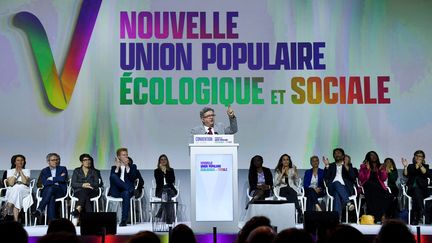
372	175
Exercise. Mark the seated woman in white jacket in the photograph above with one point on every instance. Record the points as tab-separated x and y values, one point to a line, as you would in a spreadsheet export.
18	195
286	181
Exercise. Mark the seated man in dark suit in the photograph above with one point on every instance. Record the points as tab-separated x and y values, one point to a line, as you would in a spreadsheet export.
54	180
339	177
122	178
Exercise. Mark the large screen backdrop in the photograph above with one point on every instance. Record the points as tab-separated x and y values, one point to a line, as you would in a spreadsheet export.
303	77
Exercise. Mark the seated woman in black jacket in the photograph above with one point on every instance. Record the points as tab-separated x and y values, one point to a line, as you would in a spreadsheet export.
260	180
165	189
85	182
165	178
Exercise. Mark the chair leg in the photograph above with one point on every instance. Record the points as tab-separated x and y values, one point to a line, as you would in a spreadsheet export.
72	208
25	218
132	209
97	205
175	213
106	205
359	204
346	214
141	212
357	212
62	209
328	204
409	212
46	216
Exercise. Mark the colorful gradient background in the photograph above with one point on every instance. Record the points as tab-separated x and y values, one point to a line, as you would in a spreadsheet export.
363	38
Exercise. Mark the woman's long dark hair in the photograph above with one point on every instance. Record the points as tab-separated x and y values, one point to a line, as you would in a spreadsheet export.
279	165
168	167
13	159
368	159
252	167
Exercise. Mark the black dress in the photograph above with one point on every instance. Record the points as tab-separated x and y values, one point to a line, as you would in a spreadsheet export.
378	200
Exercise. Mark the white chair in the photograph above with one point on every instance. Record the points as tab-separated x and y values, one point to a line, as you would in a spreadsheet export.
153	199
320	199
3	199
361	195
139	201
329	202
62	201
409	199
427	199
300	197
119	199
353	198
3	194
74	200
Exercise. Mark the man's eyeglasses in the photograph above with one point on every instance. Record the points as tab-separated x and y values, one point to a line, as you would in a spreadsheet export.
208	116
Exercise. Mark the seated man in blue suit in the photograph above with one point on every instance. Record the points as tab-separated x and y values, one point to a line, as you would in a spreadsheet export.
54	180
122	178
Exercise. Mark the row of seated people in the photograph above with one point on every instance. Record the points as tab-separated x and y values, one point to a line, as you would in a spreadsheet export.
86	183
340	180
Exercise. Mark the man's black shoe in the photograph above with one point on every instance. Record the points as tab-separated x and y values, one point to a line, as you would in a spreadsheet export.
122	223
36	213
75	213
137	193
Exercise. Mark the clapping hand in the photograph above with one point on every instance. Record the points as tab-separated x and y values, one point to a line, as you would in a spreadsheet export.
285	170
326	161
404	162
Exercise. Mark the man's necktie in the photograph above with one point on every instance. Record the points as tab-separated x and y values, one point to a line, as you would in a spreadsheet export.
210	132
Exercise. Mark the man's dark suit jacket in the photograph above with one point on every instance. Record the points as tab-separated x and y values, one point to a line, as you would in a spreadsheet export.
348	176
61	180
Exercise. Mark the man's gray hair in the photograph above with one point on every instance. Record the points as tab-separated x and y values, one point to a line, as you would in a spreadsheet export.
204	110
52	154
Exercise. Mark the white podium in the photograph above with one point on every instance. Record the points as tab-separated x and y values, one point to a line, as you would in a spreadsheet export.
214	183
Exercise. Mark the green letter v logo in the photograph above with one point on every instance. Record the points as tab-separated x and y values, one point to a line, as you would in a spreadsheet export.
59	90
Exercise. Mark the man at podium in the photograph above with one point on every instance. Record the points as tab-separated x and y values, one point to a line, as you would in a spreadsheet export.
210	127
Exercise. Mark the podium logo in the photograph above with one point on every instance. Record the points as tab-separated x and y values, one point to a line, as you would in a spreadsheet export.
210	166
58	90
